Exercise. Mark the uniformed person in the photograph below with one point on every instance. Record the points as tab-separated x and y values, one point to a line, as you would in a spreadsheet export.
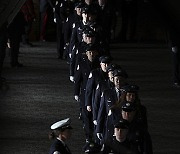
103	85
76	36
88	37
15	31
83	69
137	135
106	18
108	98
61	131
94	78
71	21
119	143
130	93
62	10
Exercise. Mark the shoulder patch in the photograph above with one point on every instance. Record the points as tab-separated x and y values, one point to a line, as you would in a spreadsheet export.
109	113
77	67
97	87
77	51
90	75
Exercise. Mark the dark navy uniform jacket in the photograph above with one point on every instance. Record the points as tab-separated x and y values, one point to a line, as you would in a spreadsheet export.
137	134
60	147
105	121
62	10
77	57
72	19
103	85
112	146
76	36
81	76
94	78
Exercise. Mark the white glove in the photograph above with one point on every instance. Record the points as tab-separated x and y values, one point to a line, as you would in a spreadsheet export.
71	78
70	55
54	20
76	98
95	122
100	136
89	108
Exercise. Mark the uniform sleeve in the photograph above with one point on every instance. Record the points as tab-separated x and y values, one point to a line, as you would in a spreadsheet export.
73	39
89	89
67	31
97	100
78	80
101	115
73	62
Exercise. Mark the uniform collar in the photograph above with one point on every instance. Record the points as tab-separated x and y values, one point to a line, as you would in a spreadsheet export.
61	141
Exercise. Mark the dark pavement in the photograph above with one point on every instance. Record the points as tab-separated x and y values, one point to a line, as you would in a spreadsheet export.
40	94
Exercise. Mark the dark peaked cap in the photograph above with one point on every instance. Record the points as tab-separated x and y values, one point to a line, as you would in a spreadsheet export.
91	47
79	5
130	88
122	123
128	106
85	9
112	67
120	72
105	59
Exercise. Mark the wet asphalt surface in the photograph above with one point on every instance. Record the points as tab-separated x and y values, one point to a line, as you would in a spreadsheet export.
40	94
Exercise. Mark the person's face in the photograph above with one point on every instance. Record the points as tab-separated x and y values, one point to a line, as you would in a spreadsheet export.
91	55
66	134
120	134
78	10
129	116
130	96
118	81
90	40
104	66
110	75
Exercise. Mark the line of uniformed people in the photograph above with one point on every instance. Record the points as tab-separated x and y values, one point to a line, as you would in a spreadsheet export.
100	86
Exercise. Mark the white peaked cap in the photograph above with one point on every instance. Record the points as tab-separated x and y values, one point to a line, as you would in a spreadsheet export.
60	124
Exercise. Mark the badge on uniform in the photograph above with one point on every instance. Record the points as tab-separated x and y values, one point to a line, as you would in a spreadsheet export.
90	75
97	87
77	51
77	67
